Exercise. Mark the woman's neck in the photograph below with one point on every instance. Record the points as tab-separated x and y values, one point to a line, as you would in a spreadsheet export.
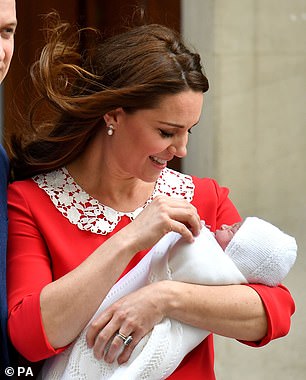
110	187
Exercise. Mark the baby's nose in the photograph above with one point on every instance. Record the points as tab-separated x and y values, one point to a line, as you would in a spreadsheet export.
225	227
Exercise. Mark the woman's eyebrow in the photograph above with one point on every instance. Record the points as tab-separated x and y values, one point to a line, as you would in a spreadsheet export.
174	124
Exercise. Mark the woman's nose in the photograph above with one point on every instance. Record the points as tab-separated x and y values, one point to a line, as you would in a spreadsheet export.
178	152
179	148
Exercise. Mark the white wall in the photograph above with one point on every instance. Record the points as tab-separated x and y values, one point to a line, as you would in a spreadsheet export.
252	139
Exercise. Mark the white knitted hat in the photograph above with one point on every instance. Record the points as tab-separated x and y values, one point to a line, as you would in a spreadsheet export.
262	252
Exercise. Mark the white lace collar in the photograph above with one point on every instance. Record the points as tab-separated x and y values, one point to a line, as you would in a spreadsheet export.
89	214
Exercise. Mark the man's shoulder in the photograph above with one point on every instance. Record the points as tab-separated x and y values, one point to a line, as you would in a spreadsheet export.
4	170
4	162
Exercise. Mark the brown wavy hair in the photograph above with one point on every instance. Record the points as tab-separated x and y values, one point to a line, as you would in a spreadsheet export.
75	87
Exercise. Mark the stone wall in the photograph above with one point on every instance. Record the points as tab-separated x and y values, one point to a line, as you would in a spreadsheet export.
252	139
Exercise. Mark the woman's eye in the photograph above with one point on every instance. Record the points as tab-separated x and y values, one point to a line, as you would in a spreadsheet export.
165	134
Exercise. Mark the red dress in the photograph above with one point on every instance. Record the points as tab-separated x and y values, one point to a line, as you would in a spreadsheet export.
49	236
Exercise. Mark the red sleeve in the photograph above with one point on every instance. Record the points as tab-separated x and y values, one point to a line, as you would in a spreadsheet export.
27	254
213	203
215	207
279	307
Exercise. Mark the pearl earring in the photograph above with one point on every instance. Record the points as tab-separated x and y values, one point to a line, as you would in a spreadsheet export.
110	130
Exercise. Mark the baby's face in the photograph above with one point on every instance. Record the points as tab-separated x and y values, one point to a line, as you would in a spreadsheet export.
225	234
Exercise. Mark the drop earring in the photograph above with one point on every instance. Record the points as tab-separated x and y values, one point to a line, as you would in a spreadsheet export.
110	130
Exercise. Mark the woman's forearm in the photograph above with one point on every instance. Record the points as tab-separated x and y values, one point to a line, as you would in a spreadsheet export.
68	303
234	311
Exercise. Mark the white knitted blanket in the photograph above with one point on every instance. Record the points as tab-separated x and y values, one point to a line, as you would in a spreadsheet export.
160	352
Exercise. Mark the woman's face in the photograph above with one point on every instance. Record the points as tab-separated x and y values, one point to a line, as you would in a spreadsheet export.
226	233
144	141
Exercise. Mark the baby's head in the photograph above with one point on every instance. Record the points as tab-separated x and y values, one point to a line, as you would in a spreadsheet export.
225	234
259	249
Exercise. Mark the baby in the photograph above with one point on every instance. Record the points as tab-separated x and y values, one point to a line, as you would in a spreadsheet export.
262	253
254	251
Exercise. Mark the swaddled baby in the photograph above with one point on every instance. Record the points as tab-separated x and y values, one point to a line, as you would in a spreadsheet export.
255	251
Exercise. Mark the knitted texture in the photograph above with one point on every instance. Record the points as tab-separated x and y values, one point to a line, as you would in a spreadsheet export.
262	252
160	352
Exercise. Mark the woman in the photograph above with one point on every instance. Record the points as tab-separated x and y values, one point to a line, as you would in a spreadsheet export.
95	195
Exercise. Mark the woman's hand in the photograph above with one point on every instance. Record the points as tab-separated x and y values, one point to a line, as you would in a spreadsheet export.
163	215
133	315
137	313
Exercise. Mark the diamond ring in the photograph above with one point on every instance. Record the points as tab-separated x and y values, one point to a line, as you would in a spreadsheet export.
126	339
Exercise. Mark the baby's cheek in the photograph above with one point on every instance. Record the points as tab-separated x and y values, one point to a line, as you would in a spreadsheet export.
223	238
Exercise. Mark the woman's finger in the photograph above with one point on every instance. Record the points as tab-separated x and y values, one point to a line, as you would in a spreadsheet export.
97	331
126	353
120	343
166	210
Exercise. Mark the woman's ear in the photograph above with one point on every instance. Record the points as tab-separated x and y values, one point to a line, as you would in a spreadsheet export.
112	117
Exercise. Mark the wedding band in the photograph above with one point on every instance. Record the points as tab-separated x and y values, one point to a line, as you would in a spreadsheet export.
126	339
